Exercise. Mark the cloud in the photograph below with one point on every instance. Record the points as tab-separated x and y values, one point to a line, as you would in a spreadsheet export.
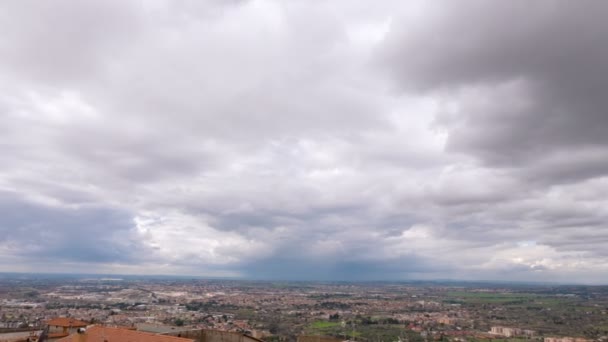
34	231
521	83
239	139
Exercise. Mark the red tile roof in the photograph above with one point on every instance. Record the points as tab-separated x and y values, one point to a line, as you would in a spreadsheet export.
66	322
57	335
99	333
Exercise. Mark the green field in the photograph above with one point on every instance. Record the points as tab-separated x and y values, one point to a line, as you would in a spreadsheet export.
511	299
375	332
467	294
490	298
331	329
324	324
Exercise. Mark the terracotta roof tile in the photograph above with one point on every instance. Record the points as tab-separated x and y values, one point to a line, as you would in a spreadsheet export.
66	322
57	335
99	333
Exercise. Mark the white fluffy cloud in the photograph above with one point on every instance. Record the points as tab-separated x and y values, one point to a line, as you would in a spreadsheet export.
303	140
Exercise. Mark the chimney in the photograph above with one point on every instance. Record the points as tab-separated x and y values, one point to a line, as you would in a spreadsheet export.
81	335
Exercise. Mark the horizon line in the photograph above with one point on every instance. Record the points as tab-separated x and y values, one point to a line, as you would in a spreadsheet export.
204	277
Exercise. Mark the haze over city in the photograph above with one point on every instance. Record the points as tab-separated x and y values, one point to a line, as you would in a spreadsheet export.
306	140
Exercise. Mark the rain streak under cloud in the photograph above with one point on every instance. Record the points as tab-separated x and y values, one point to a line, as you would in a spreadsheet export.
305	139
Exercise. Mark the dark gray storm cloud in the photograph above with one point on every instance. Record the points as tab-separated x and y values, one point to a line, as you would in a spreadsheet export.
36	231
305	140
527	80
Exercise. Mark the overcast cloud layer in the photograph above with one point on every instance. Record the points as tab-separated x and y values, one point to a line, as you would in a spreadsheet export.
306	139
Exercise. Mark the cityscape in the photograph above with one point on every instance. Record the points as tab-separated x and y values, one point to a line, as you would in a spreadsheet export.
303	311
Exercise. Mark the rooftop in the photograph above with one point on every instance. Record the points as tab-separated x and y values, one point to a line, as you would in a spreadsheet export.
101	333
66	322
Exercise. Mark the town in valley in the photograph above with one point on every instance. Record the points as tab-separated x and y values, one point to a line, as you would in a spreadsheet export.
305	311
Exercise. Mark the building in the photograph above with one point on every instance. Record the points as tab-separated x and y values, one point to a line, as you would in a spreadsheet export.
209	335
29	336
446	320
160	328
99	333
512	332
63	326
566	339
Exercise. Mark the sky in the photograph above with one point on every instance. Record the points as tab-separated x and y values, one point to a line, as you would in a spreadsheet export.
305	139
